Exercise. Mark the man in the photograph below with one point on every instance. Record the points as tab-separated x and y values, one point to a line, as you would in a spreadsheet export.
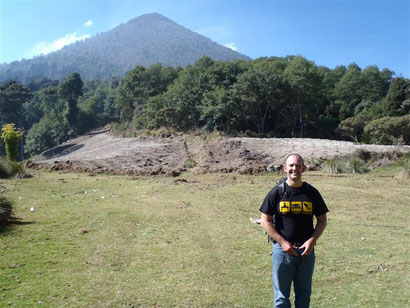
287	217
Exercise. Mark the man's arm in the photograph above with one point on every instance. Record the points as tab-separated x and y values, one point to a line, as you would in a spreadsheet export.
266	223
320	227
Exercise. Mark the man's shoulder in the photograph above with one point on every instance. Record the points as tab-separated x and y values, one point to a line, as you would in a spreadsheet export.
309	187
274	190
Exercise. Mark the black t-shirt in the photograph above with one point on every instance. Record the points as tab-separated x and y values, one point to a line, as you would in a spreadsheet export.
294	211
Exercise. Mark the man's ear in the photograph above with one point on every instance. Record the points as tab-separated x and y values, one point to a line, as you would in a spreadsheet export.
303	168
284	167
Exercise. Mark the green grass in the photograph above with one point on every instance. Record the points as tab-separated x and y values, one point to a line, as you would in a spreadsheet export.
159	241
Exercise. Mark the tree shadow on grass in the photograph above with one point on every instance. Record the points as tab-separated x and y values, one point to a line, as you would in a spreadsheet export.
11	223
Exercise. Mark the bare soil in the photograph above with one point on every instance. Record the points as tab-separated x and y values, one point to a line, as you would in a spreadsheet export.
101	152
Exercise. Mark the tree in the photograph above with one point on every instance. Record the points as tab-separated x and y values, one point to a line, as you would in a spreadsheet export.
131	93
69	90
53	109
140	84
12	97
31	111
262	91
305	81
42	136
91	105
375	84
399	92
185	94
220	107
221	110
40	82
349	91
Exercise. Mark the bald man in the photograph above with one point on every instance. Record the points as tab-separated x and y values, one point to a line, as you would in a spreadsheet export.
293	232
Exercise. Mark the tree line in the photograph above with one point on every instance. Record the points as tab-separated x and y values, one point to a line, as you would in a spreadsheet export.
266	97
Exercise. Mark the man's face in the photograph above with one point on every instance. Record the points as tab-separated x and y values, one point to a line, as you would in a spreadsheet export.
294	168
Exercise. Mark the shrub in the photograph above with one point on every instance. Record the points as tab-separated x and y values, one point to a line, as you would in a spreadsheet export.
345	165
388	130
11	138
333	165
190	163
353	127
363	154
10	168
6	210
357	165
404	173
123	129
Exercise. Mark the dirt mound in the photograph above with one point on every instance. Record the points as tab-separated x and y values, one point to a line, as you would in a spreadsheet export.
253	155
102	152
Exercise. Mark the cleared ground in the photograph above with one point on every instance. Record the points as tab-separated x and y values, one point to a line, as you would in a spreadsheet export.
102	152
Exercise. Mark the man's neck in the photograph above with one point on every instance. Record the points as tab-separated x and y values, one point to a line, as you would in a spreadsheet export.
295	184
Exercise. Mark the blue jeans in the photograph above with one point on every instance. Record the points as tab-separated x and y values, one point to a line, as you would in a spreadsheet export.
288	269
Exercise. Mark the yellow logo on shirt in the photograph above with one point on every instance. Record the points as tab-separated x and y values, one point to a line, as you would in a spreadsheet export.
295	207
307	207
284	207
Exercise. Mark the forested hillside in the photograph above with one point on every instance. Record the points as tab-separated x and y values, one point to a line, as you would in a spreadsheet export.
265	97
145	40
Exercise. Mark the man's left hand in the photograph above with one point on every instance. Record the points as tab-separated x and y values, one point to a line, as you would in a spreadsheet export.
308	246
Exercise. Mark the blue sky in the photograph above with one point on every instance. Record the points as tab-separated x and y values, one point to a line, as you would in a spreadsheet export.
328	32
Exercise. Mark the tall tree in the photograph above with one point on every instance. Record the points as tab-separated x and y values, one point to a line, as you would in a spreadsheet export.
12	97
305	81
262	91
398	97
220	107
349	91
32	111
70	89
140	84
375	83
185	95
53	127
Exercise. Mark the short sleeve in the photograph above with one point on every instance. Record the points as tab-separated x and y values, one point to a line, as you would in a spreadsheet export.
268	206
320	207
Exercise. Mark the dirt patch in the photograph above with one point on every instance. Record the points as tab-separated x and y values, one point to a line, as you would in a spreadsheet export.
100	152
103	153
253	155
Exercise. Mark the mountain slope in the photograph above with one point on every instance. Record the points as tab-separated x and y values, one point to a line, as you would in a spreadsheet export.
145	40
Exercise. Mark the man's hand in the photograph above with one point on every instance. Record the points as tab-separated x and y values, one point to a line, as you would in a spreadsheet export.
266	223
289	248
308	246
320	227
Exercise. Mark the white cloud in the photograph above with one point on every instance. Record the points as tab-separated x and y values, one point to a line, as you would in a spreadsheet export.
231	45
47	47
89	23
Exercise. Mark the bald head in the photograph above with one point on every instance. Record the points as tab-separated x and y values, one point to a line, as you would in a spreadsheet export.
296	155
294	167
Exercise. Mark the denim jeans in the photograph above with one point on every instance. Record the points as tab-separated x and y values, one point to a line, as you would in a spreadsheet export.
288	269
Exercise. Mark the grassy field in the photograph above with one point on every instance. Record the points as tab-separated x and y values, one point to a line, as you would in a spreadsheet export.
116	241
